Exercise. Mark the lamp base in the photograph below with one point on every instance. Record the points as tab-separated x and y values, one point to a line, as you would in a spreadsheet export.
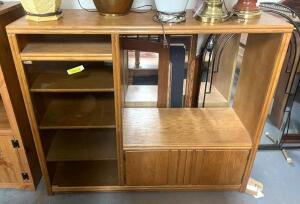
164	17
43	18
212	19
248	14
212	12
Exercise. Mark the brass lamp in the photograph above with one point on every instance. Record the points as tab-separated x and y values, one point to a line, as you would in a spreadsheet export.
246	9
212	12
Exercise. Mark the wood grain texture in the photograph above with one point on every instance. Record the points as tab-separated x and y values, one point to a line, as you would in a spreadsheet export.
181	128
185	167
53	77
223	167
253	100
118	102
249	102
9	170
75	21
193	74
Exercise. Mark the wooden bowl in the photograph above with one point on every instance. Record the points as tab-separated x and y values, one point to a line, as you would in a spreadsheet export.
113	7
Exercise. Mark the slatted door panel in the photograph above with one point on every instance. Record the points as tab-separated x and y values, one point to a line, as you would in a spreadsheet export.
153	168
185	167
147	168
223	167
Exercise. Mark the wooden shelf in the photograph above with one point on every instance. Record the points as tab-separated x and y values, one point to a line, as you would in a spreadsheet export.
67	51
95	173
181	128
53	77
5	128
73	111
141	96
83	145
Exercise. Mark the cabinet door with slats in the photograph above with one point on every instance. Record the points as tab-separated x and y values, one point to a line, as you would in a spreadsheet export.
223	167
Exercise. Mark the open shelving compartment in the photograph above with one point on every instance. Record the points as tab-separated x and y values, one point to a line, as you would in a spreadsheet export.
75	114
207	147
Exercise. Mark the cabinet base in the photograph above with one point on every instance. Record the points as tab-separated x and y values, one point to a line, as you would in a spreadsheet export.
58	189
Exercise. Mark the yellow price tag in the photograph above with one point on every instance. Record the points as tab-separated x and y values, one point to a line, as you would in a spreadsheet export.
75	70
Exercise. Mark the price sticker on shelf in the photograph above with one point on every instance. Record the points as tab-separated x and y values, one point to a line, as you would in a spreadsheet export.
75	70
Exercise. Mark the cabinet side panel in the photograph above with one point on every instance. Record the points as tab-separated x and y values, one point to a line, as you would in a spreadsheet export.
260	70
261	67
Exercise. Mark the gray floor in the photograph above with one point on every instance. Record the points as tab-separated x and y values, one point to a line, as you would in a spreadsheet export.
282	186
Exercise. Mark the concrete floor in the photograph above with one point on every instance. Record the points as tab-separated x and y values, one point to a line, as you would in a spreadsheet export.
281	181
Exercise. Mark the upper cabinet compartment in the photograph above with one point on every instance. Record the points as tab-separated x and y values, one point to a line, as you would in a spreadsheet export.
65	48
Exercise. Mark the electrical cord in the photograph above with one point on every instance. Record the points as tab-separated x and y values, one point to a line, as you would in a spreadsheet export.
171	18
82	7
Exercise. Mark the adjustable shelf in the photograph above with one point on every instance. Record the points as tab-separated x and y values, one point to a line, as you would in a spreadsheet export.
72	48
73	111
67	51
82	145
53	77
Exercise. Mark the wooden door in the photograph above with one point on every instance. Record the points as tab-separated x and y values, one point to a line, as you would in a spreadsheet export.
185	167
9	172
168	167
223	167
147	168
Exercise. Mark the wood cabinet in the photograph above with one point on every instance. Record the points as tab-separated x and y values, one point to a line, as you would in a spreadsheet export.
19	166
88	141
185	167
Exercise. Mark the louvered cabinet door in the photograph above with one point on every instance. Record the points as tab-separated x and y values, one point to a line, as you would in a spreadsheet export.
185	167
8	162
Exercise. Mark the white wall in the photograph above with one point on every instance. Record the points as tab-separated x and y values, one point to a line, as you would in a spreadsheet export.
89	3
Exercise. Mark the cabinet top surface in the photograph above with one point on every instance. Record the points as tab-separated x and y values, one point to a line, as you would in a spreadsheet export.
4	8
81	21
